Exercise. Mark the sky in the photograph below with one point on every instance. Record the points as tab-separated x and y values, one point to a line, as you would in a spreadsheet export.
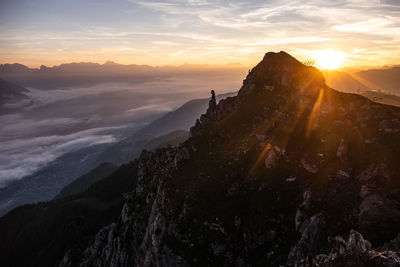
174	32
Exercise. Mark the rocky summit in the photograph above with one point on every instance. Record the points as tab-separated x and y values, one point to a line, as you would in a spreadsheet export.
288	172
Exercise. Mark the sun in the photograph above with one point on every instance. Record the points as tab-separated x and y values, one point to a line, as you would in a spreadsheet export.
329	59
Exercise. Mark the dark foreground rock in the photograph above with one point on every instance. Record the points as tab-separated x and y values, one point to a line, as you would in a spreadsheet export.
356	251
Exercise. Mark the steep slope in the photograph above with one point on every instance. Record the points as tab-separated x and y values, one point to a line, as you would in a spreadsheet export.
83	182
131	147
118	154
180	119
38	234
268	177
169	129
10	92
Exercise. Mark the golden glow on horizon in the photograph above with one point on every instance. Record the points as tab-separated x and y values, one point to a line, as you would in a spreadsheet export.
329	59
324	59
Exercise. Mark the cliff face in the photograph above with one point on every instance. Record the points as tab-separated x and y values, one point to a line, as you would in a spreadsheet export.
281	174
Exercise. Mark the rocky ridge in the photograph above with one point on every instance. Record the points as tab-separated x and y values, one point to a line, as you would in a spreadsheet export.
280	174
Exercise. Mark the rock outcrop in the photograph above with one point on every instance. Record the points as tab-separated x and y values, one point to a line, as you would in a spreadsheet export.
356	251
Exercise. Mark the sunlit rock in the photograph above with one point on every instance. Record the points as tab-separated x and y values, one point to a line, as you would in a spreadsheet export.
342	149
308	167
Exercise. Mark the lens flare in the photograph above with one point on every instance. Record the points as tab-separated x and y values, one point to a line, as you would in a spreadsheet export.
329	59
314	112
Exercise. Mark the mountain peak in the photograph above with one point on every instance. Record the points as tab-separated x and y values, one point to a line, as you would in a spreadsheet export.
282	70
277	74
109	62
282	55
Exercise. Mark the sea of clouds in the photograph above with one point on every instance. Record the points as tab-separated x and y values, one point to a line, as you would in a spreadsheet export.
54	122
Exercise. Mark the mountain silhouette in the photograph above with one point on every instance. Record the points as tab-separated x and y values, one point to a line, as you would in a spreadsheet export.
268	177
10	92
69	75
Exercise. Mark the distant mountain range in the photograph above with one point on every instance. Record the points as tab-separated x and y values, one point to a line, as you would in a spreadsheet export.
387	79
73	74
384	79
86	73
344	81
355	83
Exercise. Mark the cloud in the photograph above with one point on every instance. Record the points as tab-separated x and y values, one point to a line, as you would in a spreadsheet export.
176	32
294	40
44	97
12	129
22	157
165	43
150	108
377	26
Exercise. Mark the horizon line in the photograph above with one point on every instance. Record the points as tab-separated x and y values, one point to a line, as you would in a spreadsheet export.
234	64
